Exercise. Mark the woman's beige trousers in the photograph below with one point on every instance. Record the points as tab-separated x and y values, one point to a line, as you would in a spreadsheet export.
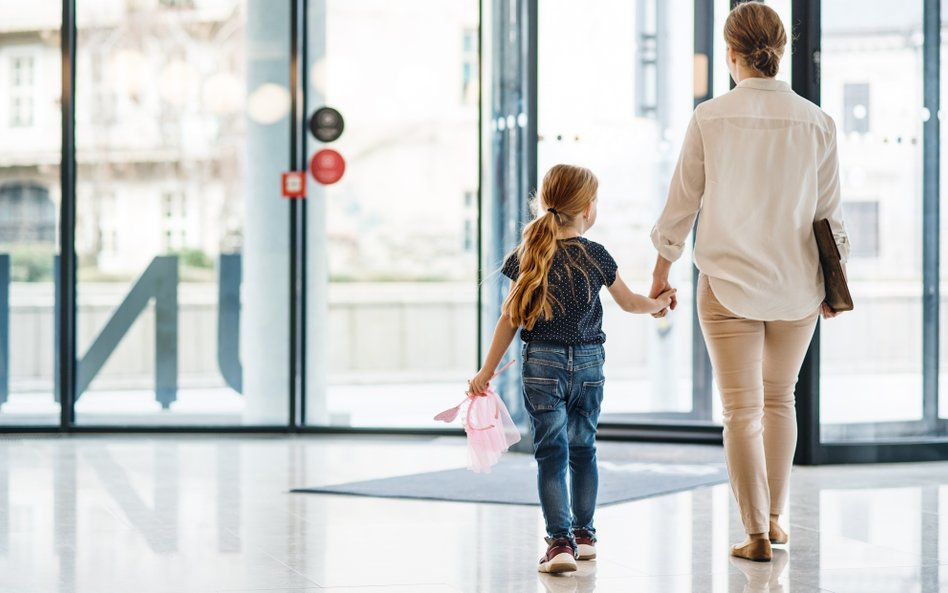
756	364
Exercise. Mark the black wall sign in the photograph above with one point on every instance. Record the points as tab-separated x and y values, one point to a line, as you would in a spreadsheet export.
326	124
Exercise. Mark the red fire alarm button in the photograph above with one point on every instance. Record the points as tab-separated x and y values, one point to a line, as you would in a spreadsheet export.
294	184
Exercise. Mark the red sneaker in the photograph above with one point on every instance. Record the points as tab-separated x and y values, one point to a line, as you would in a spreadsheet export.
586	542
560	556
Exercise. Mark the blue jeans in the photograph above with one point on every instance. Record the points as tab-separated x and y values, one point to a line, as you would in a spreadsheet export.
562	391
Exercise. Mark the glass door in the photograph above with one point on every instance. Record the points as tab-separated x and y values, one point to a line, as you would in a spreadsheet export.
873	393
872	84
392	244
621	108
181	231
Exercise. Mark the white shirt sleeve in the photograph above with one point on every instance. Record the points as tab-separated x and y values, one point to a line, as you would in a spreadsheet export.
684	196
829	203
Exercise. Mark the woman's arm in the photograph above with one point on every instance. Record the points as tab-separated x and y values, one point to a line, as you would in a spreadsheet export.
637	303
829	204
829	201
685	192
660	284
504	333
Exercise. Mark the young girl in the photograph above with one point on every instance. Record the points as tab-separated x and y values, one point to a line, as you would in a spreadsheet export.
554	302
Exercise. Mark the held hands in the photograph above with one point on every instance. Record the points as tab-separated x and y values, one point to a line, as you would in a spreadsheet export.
663	292
665	300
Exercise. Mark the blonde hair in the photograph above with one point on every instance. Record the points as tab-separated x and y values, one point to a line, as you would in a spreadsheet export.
565	193
754	31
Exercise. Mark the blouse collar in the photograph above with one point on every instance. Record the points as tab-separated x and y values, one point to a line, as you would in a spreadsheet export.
765	84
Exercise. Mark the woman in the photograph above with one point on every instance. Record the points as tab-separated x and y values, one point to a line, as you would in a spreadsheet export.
760	164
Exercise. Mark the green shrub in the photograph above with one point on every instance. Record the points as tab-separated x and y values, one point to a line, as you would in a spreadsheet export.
30	263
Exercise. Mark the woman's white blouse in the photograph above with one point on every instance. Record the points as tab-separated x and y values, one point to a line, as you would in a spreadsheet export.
760	164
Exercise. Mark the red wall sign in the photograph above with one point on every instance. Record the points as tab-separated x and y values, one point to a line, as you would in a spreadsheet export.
327	166
294	184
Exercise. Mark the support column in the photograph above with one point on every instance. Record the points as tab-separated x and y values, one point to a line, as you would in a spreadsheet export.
317	335
265	317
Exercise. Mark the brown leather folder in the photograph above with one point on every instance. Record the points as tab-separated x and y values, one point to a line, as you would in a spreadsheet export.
837	291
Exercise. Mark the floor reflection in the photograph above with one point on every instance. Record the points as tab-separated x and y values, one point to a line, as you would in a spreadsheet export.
762	577
581	581
177	515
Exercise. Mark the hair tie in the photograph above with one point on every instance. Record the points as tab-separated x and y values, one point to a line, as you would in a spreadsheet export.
555	214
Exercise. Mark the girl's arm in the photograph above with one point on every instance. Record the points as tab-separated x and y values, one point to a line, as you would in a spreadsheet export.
637	303
503	334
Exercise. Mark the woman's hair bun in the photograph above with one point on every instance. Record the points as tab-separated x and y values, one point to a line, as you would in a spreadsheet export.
755	31
766	60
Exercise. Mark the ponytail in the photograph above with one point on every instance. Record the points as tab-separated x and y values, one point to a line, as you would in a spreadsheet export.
565	193
528	299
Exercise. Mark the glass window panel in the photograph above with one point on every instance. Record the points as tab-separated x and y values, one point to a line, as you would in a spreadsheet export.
871	366
621	108
855	108
392	276
30	137
182	132
862	222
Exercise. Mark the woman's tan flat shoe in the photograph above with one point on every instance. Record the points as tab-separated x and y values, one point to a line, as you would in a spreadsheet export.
758	550
778	535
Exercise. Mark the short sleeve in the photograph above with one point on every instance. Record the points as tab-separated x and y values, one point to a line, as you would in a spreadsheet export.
606	264
511	267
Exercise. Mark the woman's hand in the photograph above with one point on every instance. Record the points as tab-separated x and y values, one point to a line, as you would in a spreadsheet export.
479	384
828	312
666	300
660	286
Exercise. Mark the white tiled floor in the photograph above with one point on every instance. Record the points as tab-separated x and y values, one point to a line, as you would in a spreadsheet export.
190	514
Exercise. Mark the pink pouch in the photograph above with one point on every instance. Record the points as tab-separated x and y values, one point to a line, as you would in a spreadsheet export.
489	428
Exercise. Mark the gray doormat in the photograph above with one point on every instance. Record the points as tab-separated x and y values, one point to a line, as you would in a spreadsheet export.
514	481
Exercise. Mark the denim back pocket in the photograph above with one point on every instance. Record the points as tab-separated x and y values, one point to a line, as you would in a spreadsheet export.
589	376
542	393
590	397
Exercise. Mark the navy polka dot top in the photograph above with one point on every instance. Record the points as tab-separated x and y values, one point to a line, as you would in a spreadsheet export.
577	319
